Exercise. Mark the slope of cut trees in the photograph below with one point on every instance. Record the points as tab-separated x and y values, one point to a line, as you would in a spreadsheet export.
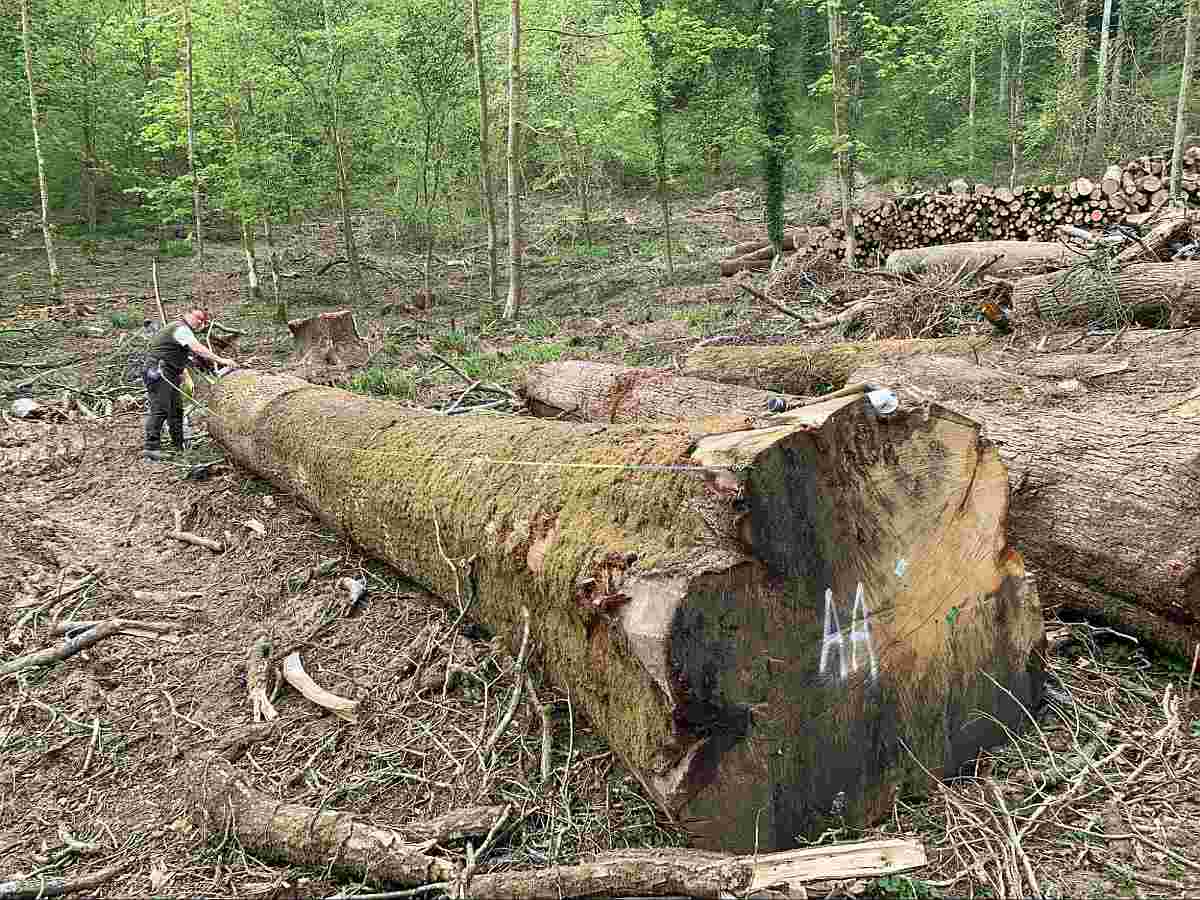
733	610
1103	451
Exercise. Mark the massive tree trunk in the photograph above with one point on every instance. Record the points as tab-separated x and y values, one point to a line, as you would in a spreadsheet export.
1103	451
1152	293
806	371
1027	256
51	259
690	588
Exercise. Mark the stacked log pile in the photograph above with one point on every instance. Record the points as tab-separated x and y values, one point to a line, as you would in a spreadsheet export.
1125	195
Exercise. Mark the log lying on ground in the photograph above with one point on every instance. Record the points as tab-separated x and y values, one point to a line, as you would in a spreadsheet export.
806	371
696	874
222	801
1158	293
1103	451
597	392
687	588
1026	256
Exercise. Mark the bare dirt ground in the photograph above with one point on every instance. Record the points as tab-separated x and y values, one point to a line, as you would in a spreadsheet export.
1099	796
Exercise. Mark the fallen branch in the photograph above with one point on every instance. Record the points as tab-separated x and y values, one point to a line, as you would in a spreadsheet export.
224	805
543	712
194	539
36	888
16	635
753	292
166	596
232	746
515	698
294	674
471	821
257	678
26	364
158	630
698	874
65	650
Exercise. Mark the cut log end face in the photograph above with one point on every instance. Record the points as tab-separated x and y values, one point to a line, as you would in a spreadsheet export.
820	606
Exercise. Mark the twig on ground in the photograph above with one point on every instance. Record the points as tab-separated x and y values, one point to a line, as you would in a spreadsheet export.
36	888
1014	839
257	666
515	698
187	537
543	712
753	292
294	674
67	649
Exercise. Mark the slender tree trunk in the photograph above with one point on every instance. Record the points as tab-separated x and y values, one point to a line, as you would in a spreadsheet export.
971	106
341	165
841	124
1081	14
51	259
1185	84
191	128
515	287
1002	98
487	185
659	127
1114	81
273	258
248	253
584	181
1016	110
1102	86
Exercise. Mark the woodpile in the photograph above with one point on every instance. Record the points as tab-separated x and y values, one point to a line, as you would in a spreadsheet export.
1124	195
732	603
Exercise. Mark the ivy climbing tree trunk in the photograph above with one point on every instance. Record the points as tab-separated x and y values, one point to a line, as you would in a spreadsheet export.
658	124
841	123
51	259
191	127
773	114
1185	85
1017	103
974	91
487	185
512	306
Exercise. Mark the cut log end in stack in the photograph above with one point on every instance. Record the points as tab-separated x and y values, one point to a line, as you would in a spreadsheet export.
1126	195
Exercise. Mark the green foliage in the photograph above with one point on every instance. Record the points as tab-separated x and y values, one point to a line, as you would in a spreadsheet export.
382	381
903	887
121	319
175	249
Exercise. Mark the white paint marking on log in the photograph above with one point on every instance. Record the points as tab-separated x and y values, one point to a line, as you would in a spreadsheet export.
859	637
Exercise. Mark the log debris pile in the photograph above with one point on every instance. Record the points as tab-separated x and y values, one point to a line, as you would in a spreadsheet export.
1125	195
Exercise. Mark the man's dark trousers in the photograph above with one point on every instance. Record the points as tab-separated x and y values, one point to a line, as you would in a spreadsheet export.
166	405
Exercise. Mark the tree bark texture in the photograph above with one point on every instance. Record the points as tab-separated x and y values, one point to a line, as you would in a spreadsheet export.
1154	293
512	305
1023	256
1103	452
841	123
1102	85
598	392
691	589
329	339
485	163
810	370
51	259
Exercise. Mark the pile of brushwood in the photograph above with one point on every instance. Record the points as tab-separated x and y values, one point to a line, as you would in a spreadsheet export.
1119	277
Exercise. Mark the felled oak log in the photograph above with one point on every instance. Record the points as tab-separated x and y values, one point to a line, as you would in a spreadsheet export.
1152	293
1153	247
222	802
1105	508
731	610
806	371
598	392
1027	256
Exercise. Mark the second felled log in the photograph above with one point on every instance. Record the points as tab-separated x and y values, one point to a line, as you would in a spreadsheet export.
1151	293
754	619
1030	256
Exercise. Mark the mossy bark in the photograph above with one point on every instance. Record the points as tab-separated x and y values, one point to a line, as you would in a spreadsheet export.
1151	293
807	371
681	583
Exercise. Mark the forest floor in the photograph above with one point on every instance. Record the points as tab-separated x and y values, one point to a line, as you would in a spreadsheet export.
91	749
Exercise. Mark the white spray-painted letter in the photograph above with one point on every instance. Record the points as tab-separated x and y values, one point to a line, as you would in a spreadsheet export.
833	637
860	632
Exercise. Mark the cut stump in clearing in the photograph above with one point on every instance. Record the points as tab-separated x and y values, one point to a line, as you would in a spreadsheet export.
328	339
732	611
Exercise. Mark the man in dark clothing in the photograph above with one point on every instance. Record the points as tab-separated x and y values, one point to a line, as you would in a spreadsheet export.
169	350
